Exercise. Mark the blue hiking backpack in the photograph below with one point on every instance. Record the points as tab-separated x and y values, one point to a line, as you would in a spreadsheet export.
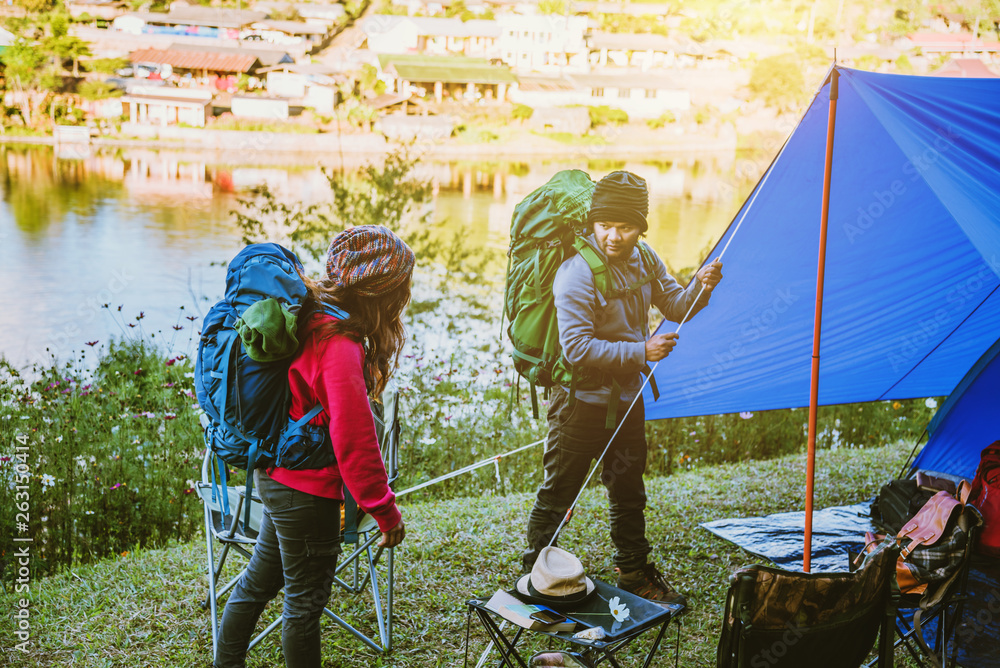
248	342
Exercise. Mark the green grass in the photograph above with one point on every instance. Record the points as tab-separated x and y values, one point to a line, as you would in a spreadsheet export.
144	609
573	139
256	125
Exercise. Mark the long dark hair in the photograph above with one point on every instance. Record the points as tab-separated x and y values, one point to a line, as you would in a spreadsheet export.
375	322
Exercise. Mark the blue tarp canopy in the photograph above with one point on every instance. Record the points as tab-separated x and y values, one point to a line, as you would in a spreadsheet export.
912	266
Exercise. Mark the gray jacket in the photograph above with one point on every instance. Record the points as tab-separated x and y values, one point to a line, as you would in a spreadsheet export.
611	334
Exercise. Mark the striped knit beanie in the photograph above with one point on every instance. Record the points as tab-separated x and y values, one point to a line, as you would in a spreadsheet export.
620	197
370	259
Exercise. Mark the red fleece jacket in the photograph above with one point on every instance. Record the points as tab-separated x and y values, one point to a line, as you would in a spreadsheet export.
329	372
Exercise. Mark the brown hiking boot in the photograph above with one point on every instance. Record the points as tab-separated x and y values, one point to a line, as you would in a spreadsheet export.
649	583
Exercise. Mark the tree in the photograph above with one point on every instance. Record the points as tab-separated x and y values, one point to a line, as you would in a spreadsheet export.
559	7
369	81
26	75
36	6
389	195
69	47
778	81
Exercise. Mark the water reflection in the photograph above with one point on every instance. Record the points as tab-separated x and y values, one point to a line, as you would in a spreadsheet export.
148	229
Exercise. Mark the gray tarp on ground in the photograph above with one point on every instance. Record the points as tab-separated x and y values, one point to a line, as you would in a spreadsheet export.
779	537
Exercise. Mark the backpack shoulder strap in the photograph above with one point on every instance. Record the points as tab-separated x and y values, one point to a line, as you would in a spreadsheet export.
602	276
650	261
597	265
335	311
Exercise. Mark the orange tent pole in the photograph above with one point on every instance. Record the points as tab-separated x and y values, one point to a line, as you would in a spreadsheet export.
817	323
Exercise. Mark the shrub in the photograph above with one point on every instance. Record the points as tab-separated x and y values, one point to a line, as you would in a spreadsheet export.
104	65
664	118
106	458
522	112
97	90
604	114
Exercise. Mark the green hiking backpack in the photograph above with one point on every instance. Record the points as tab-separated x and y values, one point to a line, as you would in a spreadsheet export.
547	228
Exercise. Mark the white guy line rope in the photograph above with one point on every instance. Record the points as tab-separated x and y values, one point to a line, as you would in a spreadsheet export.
495	459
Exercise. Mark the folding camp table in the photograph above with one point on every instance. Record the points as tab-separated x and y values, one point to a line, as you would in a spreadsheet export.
594	611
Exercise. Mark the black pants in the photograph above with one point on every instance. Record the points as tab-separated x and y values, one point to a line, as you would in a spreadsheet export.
296	550
577	437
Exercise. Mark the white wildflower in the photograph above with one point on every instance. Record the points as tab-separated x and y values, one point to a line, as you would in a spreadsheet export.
618	609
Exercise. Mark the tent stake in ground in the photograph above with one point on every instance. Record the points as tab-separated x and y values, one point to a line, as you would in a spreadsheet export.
818	321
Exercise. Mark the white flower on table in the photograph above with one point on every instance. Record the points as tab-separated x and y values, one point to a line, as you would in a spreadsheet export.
618	609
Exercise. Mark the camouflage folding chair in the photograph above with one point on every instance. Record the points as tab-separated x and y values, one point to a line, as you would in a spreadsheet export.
787	619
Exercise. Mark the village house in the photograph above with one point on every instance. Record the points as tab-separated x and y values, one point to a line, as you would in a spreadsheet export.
543	43
432	7
665	10
386	33
288	32
209	62
261	107
199	21
642	50
455	77
956	45
267	57
965	68
313	85
639	94
168	106
222	23
525	43
99	9
318	14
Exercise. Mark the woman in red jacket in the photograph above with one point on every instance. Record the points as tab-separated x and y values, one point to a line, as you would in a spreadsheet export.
340	363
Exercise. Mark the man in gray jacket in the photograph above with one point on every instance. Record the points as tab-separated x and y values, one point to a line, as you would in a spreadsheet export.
612	336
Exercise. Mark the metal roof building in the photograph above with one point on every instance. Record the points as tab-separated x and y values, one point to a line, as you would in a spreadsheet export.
199	61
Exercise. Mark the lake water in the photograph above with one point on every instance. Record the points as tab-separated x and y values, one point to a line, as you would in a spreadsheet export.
147	233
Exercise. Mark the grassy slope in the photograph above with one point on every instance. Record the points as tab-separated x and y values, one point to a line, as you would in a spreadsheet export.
144	609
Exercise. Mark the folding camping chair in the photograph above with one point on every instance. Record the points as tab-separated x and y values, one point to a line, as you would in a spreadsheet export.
360	567
790	619
941	605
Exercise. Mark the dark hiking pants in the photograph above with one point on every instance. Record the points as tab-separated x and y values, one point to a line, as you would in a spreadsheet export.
577	437
296	550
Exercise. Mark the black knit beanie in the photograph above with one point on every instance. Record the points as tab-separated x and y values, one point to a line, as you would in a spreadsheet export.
620	197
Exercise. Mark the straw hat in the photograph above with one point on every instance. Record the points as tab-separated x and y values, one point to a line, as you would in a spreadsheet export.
556	578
